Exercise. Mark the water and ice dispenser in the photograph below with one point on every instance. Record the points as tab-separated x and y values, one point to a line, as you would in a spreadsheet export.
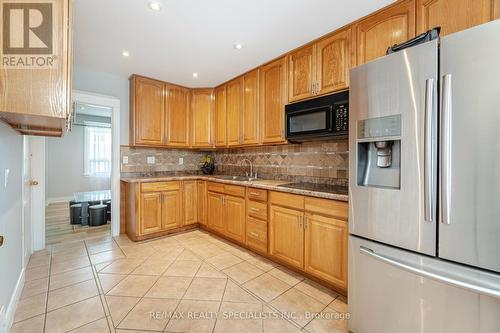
379	152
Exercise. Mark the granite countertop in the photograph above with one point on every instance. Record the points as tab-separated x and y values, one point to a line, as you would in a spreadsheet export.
267	184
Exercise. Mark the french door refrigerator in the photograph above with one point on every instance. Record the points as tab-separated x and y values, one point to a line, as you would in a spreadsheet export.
424	173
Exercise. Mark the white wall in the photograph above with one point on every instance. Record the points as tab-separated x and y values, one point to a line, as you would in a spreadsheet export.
106	84
11	157
64	165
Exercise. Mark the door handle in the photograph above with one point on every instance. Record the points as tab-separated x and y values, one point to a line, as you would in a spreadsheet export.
453	281
33	182
1	240
446	150
429	152
305	222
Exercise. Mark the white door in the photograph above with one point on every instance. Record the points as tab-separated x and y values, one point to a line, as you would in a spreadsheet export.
27	182
37	150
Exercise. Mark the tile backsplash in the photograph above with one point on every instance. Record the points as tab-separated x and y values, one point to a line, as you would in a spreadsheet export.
315	161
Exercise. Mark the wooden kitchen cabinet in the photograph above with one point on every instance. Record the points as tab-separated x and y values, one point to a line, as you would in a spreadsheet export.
234	217
454	15
171	210
202	118
375	33
234	94
190	202
37	101
250	121
178	115
201	188
151	212
286	235
147	113
326	248
301	73
215	212
273	97
220	117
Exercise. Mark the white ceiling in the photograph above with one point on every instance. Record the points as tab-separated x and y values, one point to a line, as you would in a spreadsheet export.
189	36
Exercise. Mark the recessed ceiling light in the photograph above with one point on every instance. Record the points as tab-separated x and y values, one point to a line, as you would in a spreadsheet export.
154	6
195	75
125	53
238	46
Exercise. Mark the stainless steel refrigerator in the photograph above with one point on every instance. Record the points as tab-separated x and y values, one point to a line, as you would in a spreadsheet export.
424	173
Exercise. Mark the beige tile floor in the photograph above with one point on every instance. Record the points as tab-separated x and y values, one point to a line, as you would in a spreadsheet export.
190	282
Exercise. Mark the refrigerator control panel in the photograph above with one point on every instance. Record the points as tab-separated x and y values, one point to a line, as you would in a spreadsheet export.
379	127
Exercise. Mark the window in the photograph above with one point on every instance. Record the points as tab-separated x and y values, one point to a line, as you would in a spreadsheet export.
97	150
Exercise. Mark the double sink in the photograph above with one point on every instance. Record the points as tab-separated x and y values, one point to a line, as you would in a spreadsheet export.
237	178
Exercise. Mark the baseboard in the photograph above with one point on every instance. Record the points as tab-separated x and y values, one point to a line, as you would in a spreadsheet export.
58	199
7	319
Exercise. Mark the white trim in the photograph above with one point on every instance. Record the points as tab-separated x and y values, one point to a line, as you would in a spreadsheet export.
113	102
58	200
7	320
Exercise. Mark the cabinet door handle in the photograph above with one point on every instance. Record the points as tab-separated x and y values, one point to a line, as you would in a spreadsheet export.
305	222
254	234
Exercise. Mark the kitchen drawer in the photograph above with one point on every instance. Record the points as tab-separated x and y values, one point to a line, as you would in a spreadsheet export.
237	191
215	187
257	194
160	186
287	200
257	234
257	209
338	209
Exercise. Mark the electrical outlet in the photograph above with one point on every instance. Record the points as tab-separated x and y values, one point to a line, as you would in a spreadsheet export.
151	160
6	177
125	160
181	160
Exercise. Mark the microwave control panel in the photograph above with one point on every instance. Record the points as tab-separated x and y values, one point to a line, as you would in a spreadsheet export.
341	117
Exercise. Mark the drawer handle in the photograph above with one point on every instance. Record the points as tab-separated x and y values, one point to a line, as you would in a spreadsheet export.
254	234
254	209
254	193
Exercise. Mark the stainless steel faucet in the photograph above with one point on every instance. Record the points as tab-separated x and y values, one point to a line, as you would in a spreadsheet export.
250	164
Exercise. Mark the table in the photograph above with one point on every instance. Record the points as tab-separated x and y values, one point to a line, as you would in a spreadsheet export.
92	196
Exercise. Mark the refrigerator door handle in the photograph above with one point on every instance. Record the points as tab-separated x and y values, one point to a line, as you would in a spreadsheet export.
446	150
429	159
484	290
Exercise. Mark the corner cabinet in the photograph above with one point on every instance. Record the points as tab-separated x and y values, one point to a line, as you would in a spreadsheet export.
36	99
273	98
202	105
375	33
190	193
147	112
220	117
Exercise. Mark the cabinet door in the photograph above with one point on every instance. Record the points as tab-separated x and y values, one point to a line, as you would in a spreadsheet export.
202	117
326	248
202	201
148	117
286	238
190	209
215	213
333	61
377	32
150	213
178	118
250	122
234	101
171	210
301	73
273	97
234	217
453	15
220	117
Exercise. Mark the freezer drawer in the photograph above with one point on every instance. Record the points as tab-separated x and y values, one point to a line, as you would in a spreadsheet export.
469	231
386	296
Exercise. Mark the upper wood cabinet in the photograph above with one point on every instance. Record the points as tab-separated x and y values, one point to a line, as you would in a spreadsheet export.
250	121
273	97
320	68
147	114
375	33
202	118
234	94
35	98
454	15
220	117
301	73
178	115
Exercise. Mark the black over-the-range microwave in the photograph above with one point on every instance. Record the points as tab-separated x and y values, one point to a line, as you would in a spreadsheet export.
319	118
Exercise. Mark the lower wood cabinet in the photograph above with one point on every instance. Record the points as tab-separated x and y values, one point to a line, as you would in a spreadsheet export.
234	217
201	189
190	202
151	212
171	210
215	212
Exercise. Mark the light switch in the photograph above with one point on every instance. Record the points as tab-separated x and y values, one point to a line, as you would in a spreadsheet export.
6	177
181	160
125	159
151	160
